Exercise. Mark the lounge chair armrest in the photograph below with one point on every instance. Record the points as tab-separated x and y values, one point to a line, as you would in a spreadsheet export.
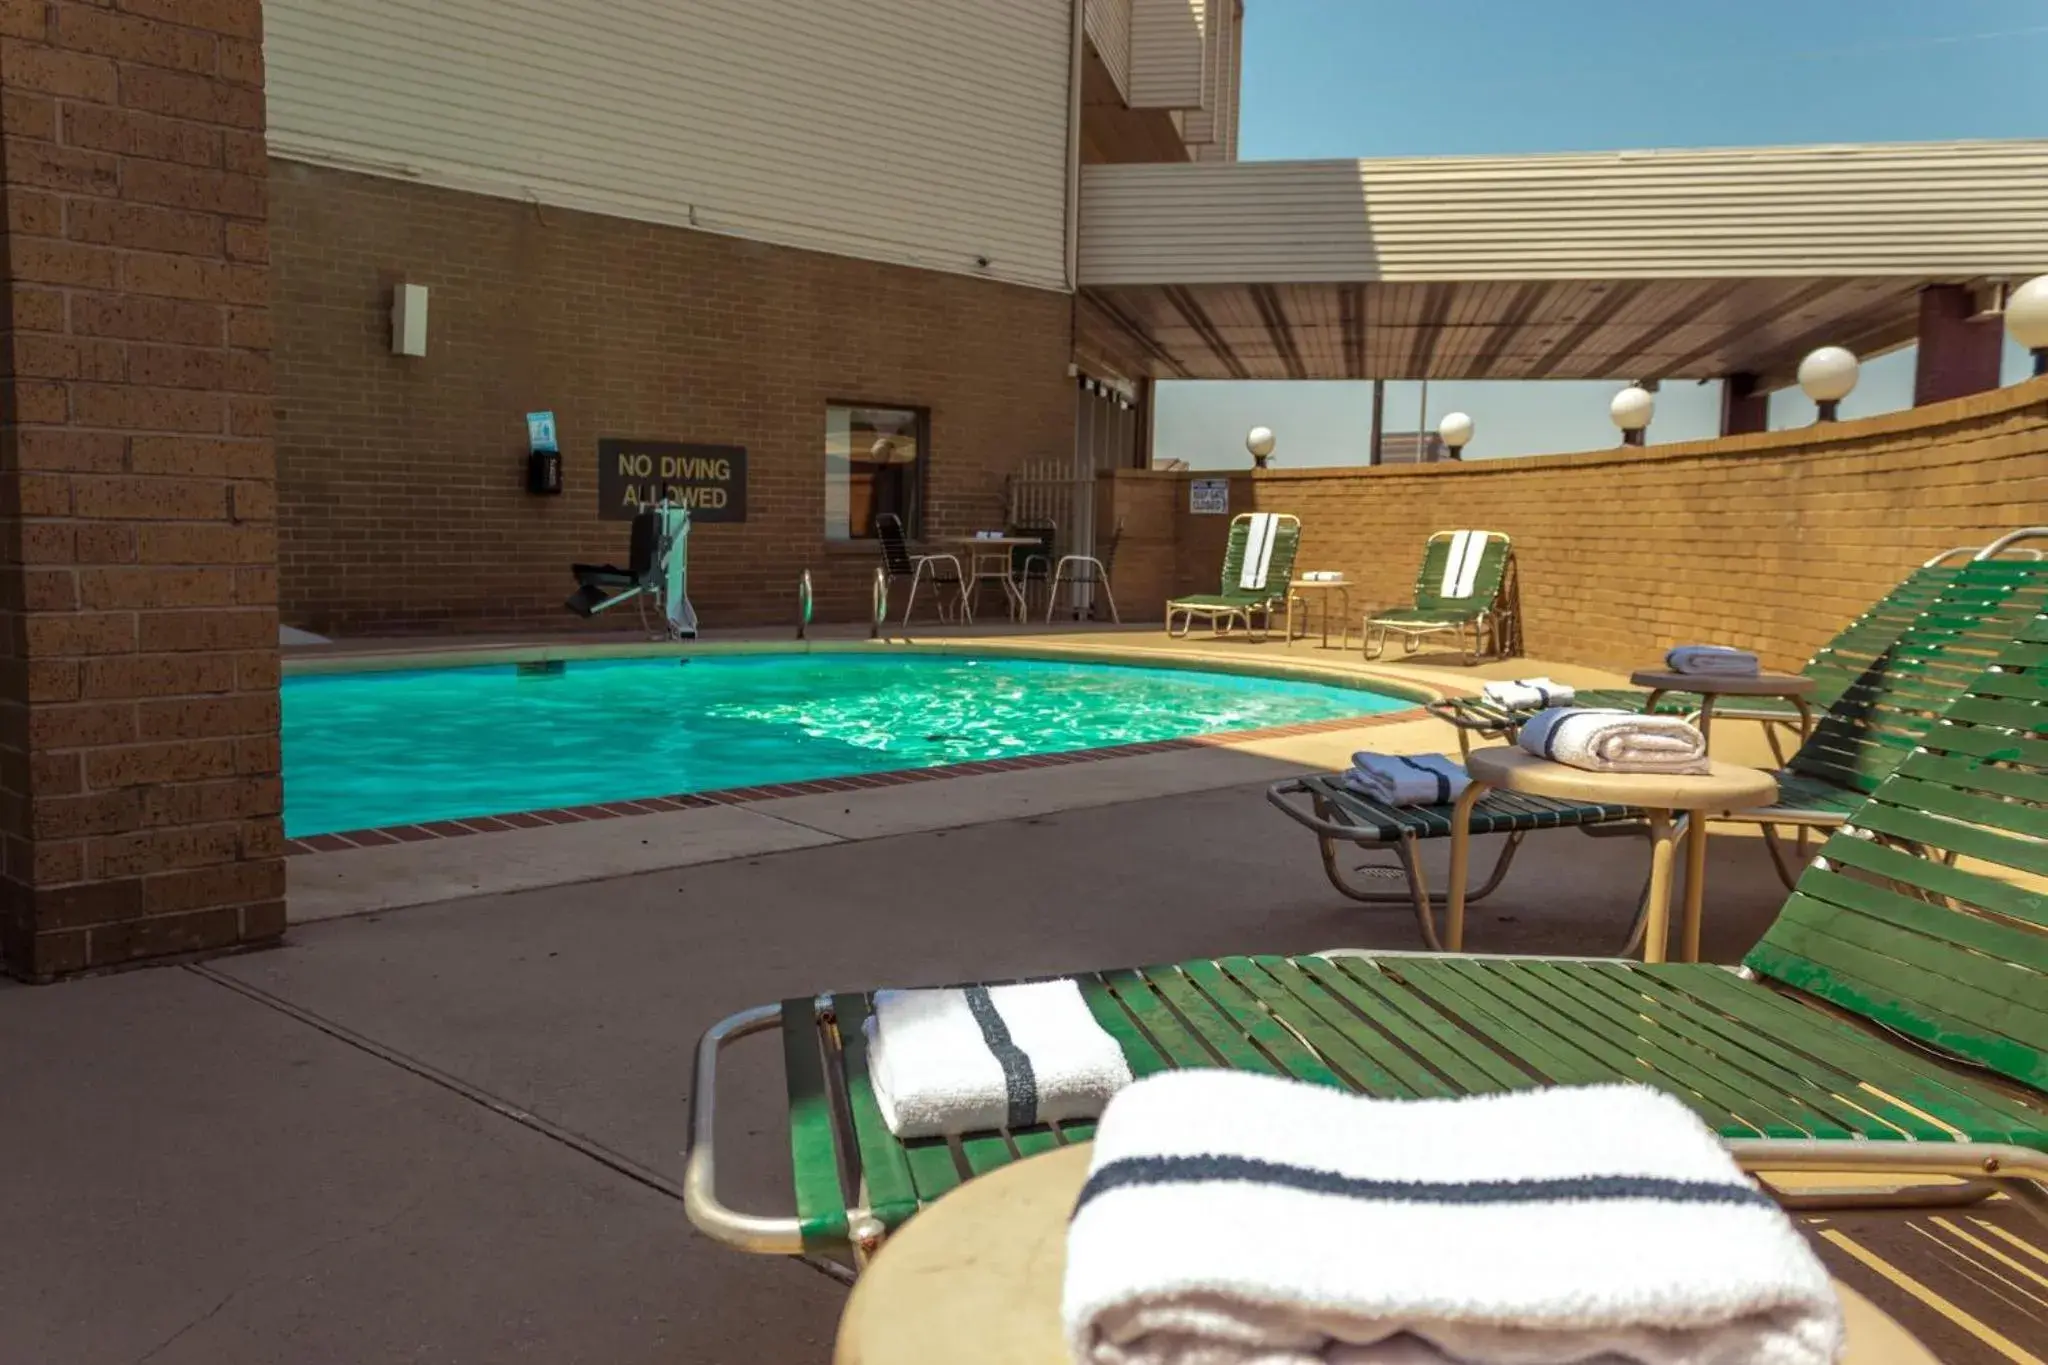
780	1236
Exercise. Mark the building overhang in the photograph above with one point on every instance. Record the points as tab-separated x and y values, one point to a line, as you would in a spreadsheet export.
1628	265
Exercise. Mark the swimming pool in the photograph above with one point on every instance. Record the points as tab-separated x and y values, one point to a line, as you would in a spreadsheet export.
363	750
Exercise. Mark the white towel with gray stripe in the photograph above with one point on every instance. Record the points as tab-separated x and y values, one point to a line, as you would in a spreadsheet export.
1260	534
1604	741
1528	694
1461	566
985	1057
1406	779
1230	1218
1712	661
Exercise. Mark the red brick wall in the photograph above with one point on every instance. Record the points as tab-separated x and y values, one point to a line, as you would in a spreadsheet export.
402	479
1771	541
138	707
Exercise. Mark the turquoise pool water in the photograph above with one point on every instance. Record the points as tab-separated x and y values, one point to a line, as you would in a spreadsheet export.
369	749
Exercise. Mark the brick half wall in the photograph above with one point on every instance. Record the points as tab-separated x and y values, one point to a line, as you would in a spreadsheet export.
401	480
1770	541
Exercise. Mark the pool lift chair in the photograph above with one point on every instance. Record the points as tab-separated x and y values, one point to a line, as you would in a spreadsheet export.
656	573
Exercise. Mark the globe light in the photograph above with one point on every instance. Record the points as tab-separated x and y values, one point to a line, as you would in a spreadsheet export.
1632	410
1259	441
1456	429
2026	319
1827	376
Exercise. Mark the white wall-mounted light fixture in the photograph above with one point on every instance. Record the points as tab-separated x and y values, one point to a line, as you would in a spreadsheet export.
2026	318
1826	376
1632	410
1259	441
1456	431
408	319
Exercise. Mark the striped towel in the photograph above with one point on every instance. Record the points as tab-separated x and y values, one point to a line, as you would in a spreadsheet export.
1406	779
1260	533
1461	567
1528	694
986	1057
1606	741
1712	661
1233	1218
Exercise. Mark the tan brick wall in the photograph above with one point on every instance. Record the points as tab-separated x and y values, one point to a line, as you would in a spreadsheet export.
138	714
1770	541
402	479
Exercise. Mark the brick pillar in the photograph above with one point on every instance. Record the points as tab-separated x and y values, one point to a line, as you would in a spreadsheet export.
1957	357
1744	406
138	687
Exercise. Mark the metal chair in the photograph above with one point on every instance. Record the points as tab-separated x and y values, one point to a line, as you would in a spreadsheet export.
941	570
1089	571
1031	565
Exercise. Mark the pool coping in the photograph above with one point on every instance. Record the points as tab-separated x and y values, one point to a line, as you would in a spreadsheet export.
1111	651
386	835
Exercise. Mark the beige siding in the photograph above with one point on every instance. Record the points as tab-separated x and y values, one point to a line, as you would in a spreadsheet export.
1210	128
1169	52
1946	209
1109	28
897	130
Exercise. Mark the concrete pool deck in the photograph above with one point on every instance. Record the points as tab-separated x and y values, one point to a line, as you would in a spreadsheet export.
326	881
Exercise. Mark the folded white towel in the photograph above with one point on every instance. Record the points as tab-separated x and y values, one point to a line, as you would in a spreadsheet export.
1604	741
965	1061
1322	576
1718	661
1528	694
1406	779
1260	533
1461	568
1235	1218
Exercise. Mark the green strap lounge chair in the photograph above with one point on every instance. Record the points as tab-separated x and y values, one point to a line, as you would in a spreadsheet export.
1465	587
1865	732
1833	668
1893	1021
1233	601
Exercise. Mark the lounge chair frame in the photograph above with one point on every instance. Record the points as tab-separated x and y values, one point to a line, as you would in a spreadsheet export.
1485	625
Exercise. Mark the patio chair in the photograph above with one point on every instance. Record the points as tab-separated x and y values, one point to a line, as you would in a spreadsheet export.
942	571
1031	565
1086	571
1892	1022
1244	591
1833	668
1465	586
1864	733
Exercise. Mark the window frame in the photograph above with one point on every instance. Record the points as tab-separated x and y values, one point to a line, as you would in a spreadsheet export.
920	472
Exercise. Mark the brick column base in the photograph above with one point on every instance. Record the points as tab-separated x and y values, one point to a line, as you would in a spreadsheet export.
138	688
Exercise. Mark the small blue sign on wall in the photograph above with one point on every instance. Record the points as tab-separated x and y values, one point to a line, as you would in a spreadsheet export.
540	431
1209	497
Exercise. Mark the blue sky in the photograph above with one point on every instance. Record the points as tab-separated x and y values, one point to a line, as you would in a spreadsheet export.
1345	78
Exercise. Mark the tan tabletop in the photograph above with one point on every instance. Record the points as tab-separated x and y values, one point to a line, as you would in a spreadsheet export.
1725	786
1793	687
976	1277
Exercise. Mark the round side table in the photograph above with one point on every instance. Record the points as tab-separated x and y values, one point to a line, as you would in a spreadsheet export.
977	1277
1725	786
1793	687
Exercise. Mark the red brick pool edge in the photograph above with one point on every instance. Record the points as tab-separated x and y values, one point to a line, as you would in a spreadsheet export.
739	796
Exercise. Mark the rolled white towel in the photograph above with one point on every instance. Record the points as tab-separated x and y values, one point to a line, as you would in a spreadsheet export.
1406	779
1604	741
1230	1217
984	1057
1712	661
1528	694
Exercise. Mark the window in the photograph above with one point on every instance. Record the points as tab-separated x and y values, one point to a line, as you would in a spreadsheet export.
874	463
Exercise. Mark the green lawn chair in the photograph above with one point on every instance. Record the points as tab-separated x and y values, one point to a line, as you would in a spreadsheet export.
1866	731
1833	668
1234	601
1453	593
1893	1021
